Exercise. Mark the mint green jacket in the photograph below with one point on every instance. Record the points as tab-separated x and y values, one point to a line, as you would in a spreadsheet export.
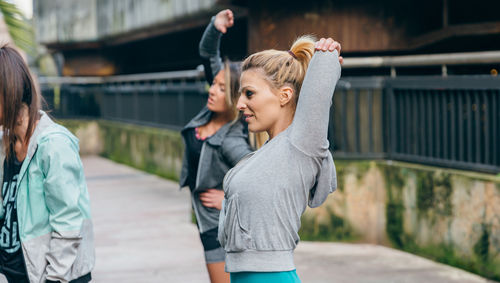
53	207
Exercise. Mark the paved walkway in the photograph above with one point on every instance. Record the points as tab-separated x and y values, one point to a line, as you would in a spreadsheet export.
144	234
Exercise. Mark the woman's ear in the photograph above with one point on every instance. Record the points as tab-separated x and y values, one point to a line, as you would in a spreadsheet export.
286	95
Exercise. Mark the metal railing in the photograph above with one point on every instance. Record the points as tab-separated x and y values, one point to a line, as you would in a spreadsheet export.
167	99
357	120
444	60
451	122
444	121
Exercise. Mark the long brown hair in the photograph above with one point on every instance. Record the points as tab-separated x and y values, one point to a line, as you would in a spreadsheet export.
16	88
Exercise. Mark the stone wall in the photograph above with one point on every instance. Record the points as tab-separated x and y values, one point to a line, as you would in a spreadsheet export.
154	150
450	216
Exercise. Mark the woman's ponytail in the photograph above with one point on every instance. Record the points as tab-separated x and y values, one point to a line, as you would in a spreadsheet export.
303	49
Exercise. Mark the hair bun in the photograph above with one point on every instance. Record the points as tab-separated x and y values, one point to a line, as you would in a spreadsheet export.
303	49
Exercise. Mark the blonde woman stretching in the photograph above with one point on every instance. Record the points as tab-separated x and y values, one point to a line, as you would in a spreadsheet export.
267	191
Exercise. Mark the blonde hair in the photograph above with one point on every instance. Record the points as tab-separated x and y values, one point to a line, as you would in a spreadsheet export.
281	68
257	139
284	67
232	85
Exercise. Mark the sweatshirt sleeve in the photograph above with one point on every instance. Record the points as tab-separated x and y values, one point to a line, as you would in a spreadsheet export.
309	128
326	182
209	49
63	177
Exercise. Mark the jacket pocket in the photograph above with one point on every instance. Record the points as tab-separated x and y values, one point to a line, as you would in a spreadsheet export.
233	236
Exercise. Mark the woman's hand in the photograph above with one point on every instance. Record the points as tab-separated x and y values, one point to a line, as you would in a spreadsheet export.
212	198
224	20
328	45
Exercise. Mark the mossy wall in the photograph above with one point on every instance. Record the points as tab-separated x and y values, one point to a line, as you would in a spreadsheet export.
154	150
450	216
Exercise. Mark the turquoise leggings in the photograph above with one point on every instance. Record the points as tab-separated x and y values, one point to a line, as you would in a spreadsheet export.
265	277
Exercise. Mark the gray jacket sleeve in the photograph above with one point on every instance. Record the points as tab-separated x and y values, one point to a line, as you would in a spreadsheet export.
235	148
209	48
310	124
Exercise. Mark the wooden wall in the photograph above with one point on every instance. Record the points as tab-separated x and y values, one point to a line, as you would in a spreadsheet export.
361	26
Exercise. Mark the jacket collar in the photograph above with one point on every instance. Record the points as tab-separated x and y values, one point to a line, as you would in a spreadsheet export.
204	117
199	120
219	136
42	125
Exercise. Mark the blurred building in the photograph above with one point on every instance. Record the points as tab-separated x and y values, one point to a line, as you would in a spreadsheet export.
104	37
378	27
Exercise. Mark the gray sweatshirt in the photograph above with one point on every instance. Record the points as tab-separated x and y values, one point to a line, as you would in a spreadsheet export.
268	190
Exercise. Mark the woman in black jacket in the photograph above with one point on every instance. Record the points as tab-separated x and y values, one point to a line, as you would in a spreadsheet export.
216	139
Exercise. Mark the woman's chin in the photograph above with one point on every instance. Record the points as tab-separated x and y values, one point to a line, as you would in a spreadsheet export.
214	108
254	128
210	106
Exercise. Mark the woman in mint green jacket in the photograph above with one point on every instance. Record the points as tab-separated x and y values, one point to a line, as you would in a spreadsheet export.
46	231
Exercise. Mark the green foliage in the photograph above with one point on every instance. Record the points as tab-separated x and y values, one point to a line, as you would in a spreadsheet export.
20	29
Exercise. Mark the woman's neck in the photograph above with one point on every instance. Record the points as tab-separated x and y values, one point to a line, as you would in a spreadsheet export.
216	122
281	124
221	119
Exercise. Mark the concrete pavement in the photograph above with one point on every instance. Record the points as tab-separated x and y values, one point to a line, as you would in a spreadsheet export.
142	227
144	233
